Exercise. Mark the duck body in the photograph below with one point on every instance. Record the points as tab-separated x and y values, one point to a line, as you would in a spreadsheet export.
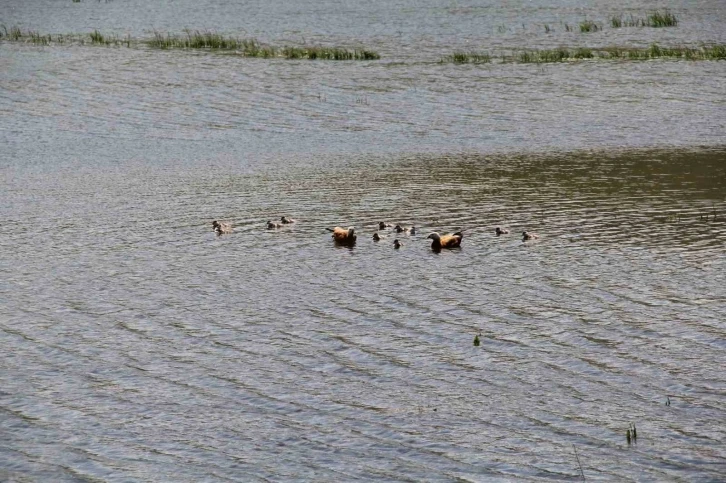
222	228
526	235
272	226
344	236
383	226
286	221
445	241
377	237
500	231
397	244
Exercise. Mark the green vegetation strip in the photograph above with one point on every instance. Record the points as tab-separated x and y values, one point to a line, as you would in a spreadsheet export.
715	52
194	39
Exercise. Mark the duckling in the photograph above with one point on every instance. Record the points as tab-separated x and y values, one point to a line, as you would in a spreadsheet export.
397	244
285	220
400	229
383	226
445	241
377	237
272	226
529	236
343	236
221	228
412	231
500	231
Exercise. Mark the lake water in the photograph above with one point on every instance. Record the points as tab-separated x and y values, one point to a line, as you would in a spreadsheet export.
136	345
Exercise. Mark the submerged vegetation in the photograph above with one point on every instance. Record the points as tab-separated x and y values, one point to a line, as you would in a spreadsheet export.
194	39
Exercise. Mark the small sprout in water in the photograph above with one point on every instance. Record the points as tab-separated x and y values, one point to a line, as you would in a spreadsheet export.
477	342
668	401
635	432
627	435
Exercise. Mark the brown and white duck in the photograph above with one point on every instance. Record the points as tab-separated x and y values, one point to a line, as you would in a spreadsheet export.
526	235
286	221
445	241
383	226
344	236
397	244
499	231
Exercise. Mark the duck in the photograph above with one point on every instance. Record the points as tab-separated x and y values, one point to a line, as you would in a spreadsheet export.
397	244
377	237
222	228
445	241
383	226
529	236
344	236
499	231
286	221
272	226
400	229
412	231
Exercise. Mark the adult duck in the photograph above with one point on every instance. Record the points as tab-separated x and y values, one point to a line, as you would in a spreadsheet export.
344	236
445	241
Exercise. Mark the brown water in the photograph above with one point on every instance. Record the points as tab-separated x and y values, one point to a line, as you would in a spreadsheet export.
135	345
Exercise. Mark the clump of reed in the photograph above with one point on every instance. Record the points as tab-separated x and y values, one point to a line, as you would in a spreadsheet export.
328	53
468	58
589	26
714	52
553	55
38	39
655	19
252	48
195	39
662	19
619	21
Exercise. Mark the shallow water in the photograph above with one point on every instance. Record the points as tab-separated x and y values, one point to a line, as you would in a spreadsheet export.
137	345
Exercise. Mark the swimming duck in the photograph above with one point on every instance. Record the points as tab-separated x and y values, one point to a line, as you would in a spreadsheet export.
285	220
412	231
221	228
400	229
272	226
397	244
383	226
500	231
445	241
377	237
529	236
343	236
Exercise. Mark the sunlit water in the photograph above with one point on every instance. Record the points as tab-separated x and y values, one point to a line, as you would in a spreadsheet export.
137	345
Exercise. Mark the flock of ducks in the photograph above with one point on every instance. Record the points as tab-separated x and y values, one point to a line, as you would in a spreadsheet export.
348	236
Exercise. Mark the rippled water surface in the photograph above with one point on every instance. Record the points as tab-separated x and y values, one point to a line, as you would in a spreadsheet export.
136	345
